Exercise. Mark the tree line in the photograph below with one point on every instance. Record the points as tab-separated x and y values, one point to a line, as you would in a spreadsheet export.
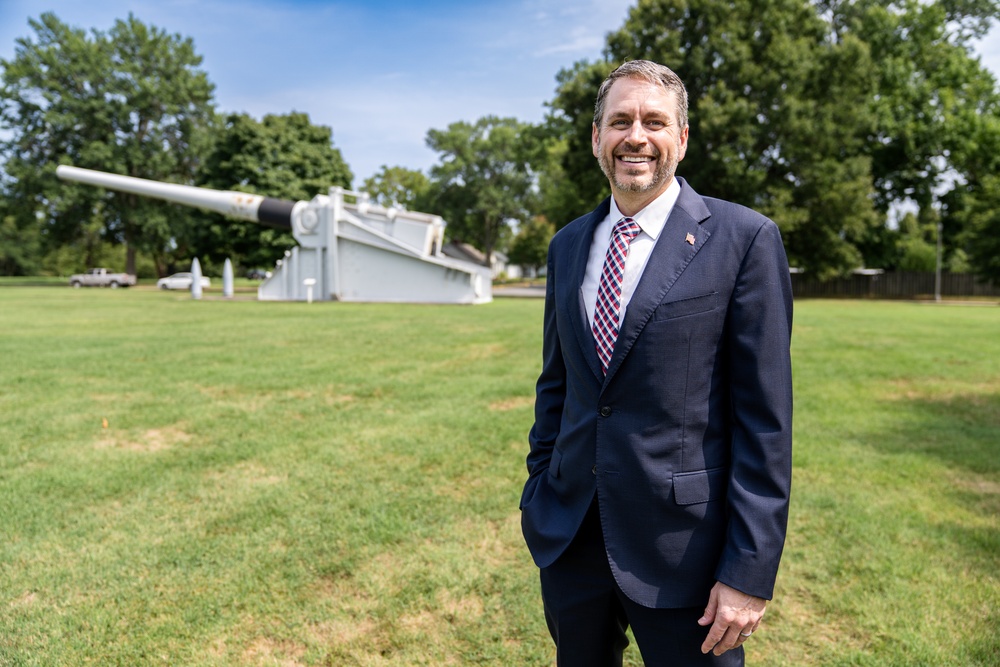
868	130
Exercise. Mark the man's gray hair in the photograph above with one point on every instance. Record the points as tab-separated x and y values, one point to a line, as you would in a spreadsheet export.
653	73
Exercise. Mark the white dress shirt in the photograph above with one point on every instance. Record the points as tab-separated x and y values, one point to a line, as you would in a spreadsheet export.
650	220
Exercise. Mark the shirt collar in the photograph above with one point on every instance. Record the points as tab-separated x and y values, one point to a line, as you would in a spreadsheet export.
652	218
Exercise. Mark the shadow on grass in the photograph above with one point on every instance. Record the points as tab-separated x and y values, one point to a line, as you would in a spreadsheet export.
961	430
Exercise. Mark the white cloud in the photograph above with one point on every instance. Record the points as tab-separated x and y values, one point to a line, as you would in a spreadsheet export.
988	49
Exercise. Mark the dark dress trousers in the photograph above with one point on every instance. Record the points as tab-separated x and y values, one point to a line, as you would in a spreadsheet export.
687	440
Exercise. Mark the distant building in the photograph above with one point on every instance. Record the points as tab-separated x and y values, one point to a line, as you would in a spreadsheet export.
468	253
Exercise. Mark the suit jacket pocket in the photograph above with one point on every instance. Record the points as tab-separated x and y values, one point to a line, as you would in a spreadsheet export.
684	307
554	462
700	486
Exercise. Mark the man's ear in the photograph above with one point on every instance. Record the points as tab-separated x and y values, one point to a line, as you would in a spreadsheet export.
594	138
683	144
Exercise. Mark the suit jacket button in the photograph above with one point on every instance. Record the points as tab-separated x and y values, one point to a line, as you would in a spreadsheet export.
594	470
606	411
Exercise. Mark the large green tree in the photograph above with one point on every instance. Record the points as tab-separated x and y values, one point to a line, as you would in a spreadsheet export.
531	243
936	107
765	132
399	187
571	181
281	156
820	114
130	101
20	242
975	209
485	179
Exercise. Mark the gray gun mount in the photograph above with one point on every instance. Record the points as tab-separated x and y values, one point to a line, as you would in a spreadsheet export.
350	251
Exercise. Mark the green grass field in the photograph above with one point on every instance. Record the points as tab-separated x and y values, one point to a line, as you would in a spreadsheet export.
244	483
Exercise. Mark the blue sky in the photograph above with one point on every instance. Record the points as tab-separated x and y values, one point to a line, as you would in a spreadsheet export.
379	72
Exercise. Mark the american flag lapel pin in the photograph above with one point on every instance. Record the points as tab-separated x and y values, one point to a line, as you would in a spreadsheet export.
690	239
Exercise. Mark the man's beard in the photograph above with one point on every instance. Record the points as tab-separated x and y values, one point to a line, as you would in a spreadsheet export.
664	170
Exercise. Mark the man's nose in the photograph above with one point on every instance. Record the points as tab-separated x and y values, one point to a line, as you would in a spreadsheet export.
636	133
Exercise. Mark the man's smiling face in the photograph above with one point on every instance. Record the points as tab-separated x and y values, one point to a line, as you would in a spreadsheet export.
639	142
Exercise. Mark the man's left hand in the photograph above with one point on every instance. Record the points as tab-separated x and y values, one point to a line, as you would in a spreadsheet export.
734	616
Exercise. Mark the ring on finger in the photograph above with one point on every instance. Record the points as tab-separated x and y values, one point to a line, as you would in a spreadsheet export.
745	635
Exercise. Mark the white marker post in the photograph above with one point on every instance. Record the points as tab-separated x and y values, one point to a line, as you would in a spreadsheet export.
227	279
195	279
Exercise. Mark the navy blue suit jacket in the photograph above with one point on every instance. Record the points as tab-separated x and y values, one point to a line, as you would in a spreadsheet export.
687	440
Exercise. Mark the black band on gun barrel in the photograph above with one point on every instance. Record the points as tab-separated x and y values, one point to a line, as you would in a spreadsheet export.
275	213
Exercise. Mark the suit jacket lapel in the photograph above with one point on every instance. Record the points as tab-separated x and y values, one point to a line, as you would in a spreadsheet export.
679	241
578	314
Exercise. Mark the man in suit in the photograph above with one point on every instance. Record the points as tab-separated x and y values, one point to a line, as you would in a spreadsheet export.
660	461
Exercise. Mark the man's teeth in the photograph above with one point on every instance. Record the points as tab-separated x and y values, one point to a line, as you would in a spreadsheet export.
626	158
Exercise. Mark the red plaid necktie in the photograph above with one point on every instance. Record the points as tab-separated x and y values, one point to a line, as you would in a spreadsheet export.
609	292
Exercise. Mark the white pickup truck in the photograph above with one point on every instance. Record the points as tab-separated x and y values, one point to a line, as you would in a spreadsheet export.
101	278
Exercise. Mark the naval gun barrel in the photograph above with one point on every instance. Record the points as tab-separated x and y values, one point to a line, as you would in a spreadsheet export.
265	210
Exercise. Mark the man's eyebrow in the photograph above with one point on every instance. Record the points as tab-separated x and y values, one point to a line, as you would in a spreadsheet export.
652	113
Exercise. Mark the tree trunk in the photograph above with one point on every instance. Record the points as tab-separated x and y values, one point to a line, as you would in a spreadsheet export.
488	243
129	233
161	269
129	259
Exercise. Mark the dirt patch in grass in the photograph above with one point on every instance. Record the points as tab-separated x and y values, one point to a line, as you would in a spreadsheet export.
249	400
512	403
353	629
333	398
267	651
367	623
464	607
152	440
26	599
501	541
978	394
978	484
486	351
246	473
343	632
